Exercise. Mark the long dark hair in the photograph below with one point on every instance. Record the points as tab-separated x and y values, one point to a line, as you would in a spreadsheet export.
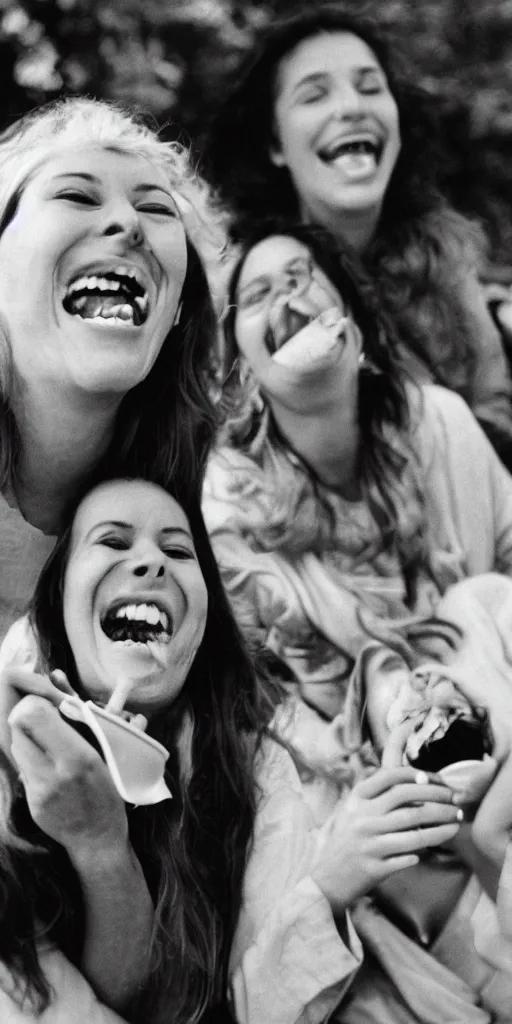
383	405
192	849
166	424
423	248
242	133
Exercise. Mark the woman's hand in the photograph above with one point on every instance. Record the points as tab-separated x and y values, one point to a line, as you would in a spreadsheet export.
380	828
72	798
69	791
16	683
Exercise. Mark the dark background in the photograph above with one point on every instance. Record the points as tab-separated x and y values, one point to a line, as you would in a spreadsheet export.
173	58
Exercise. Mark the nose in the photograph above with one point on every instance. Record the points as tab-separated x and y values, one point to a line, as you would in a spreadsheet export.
149	563
123	221
290	282
347	102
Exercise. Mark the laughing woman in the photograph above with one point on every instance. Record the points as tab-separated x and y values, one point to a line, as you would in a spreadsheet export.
105	322
342	493
328	131
106	327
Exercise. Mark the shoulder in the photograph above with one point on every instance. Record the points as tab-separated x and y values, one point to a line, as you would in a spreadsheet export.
237	492
433	408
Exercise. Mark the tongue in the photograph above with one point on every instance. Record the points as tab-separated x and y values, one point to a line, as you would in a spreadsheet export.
107	306
356	165
289	323
316	343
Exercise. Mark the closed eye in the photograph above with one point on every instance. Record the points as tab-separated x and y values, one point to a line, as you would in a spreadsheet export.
370	83
116	543
159	209
312	94
178	554
73	196
251	298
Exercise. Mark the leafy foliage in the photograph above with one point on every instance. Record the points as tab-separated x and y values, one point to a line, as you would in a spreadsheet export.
173	58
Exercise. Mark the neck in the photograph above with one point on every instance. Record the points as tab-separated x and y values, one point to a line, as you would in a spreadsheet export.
63	438
356	228
327	440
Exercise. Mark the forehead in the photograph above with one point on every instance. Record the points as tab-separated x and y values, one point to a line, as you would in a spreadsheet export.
271	255
129	501
337	52
100	161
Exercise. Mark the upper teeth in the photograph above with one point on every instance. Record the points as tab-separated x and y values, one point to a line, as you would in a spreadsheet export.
94	281
350	140
143	613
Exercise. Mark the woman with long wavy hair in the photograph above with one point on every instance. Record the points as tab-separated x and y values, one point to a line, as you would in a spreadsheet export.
129	548
131	617
106	330
323	123
340	492
106	321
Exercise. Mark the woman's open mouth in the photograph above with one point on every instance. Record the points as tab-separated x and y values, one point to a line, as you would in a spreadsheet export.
115	296
447	738
355	155
134	623
287	324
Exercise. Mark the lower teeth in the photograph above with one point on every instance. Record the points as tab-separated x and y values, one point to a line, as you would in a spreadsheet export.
106	321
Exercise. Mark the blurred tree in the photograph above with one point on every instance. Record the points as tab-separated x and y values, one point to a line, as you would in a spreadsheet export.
173	58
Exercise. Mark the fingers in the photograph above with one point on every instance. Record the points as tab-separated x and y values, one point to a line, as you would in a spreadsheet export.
60	680
393	753
139	722
385	779
406	860
41	722
398	843
424	815
23	681
415	793
30	760
382	780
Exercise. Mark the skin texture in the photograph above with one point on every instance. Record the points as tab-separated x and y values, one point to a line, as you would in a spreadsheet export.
373	833
391	692
69	791
150	558
266	285
331	87
315	405
74	221
69	375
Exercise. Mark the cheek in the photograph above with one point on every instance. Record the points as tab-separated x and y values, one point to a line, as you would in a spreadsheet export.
393	120
249	331
197	601
173	250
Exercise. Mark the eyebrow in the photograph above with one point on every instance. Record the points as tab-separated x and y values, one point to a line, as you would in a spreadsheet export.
166	531
170	530
148	186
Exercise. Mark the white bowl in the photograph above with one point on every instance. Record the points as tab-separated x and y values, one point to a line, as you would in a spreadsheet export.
136	762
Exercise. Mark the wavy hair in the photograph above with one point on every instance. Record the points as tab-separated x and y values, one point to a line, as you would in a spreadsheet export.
423	248
302	520
192	849
165	424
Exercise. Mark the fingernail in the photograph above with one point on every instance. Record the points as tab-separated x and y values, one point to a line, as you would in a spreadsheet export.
460	814
421	778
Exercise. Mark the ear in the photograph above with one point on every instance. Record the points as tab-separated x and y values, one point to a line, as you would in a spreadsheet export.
358	341
276	157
